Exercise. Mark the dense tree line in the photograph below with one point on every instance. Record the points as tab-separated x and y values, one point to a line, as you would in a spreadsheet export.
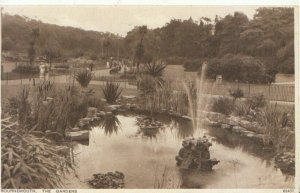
56	41
265	42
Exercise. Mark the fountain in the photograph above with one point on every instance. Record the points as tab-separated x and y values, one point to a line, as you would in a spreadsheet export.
195	152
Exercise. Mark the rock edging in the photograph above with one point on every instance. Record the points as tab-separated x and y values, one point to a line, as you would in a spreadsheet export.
110	180
195	154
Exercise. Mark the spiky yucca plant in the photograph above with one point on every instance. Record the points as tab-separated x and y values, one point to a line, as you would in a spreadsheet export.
111	91
155	70
277	131
83	77
150	81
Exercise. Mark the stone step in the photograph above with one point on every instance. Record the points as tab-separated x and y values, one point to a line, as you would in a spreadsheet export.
78	135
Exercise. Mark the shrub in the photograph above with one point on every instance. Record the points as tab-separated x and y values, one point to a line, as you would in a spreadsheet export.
95	102
256	101
238	93
277	132
27	69
31	162
93	56
56	110
168	99
7	44
114	70
193	64
223	105
64	66
242	68
241	109
111	91
78	109
19	106
45	89
175	60
128	76
51	111
83	77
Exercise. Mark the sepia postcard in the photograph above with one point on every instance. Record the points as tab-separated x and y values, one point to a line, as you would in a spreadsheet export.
149	98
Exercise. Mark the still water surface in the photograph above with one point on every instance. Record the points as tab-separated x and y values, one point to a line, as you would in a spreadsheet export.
118	145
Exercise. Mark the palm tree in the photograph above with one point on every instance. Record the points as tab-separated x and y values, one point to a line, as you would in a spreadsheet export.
139	52
155	71
106	45
150	81
35	33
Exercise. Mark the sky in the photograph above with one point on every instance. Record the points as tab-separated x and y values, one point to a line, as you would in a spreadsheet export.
120	19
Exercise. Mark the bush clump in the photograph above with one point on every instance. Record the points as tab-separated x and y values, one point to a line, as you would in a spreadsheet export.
19	105
279	127
241	109
64	66
223	105
241	68
236	94
27	69
256	101
193	64
175	60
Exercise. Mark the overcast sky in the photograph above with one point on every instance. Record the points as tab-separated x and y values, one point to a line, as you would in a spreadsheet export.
121	19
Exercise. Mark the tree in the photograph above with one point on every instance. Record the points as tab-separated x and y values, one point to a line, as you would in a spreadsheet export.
106	46
150	81
139	52
7	44
35	33
241	68
271	35
51	51
227	33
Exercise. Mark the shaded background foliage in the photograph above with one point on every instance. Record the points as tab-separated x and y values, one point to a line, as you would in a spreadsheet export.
268	39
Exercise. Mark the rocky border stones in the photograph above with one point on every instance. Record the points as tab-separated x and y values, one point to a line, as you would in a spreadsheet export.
286	162
110	180
195	155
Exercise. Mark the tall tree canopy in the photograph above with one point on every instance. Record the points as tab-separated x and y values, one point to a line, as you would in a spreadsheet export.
267	37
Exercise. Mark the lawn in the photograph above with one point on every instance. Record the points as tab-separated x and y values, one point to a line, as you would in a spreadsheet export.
8	73
8	66
177	76
8	91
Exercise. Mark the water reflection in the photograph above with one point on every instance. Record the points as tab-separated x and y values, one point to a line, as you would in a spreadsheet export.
183	128
234	140
110	124
140	155
149	133
236	170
